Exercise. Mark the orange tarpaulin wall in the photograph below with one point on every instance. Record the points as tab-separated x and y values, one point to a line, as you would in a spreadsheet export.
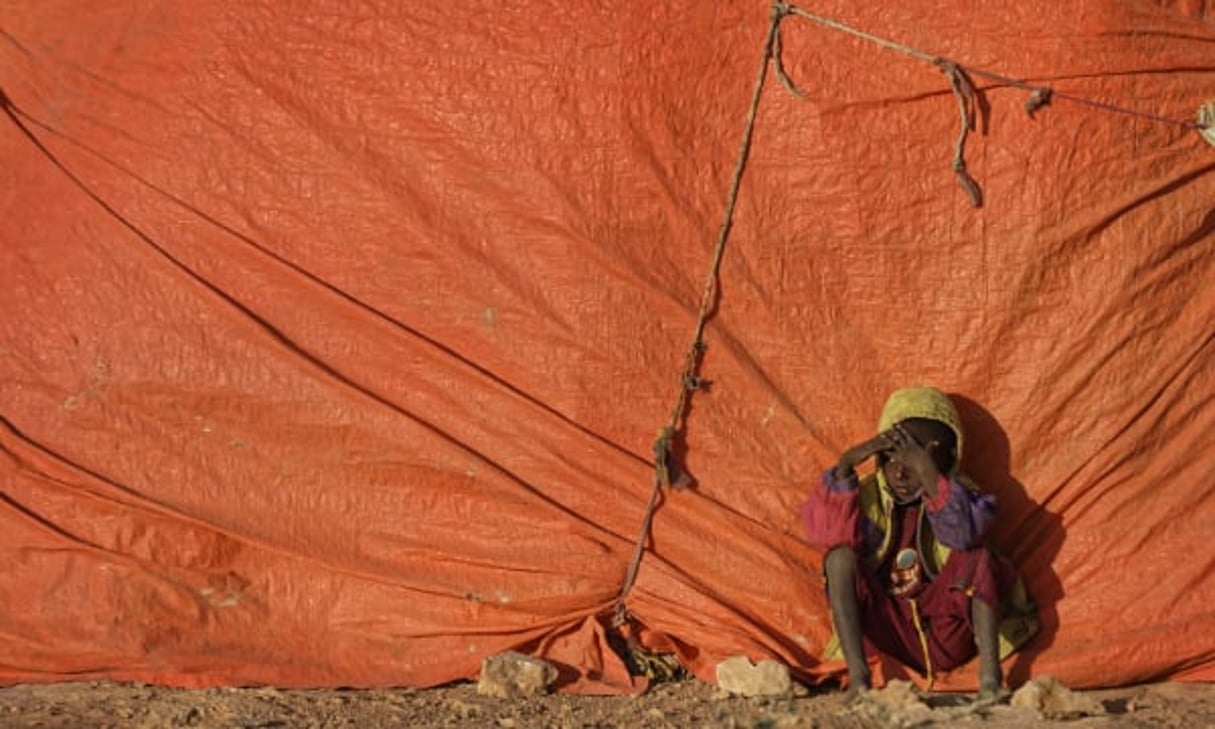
335	336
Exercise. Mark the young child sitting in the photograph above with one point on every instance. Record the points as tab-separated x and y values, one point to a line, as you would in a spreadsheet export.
906	568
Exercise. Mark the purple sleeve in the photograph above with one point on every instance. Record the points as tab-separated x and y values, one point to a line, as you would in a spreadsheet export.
960	516
840	485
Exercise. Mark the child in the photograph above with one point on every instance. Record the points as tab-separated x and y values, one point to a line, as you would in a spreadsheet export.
906	568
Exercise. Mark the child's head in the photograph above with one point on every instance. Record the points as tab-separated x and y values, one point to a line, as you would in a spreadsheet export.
937	438
930	417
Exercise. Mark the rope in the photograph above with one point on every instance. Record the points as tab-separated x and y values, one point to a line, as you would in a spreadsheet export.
1043	94
836	25
778	66
1206	117
965	93
689	381
963	90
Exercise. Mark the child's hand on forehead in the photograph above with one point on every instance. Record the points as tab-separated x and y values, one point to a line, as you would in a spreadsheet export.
880	443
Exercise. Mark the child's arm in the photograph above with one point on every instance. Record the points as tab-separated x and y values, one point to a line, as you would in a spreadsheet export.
858	453
960	516
830	514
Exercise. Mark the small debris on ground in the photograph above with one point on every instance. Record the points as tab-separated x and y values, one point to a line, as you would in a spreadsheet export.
690	703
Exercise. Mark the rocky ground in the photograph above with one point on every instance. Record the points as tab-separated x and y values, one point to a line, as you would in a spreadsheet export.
689	703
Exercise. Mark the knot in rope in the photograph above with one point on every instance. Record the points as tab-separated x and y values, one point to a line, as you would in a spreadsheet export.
662	455
666	474
964	91
1206	122
1039	98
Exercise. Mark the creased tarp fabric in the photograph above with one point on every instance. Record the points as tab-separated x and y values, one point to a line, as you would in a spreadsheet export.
335	336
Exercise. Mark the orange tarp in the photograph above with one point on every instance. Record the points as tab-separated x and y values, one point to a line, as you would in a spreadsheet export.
335	337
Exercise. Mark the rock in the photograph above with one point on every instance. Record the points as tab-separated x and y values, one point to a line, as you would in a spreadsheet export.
513	675
1053	700
898	704
739	676
898	695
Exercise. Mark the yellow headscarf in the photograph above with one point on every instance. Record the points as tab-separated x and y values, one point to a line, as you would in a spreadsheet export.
923	402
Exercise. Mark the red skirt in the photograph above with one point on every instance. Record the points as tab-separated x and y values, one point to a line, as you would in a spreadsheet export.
937	620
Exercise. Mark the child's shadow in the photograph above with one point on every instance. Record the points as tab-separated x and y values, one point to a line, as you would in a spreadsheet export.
1024	531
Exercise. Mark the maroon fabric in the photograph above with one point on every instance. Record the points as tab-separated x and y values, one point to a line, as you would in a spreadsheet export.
943	603
910	580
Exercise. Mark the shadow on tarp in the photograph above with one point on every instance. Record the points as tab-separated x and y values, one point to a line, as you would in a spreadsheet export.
1024	530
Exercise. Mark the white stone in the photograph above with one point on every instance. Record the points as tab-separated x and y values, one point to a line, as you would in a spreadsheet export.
1048	696
513	675
739	676
899	704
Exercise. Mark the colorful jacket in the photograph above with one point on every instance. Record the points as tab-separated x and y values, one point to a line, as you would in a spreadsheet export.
857	512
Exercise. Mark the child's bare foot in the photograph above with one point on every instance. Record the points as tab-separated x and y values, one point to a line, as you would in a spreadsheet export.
991	679
855	694
992	694
858	686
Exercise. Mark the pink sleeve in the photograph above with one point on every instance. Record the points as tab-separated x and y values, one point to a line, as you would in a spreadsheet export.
830	516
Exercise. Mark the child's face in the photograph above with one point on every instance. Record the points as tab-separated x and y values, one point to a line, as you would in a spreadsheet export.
903	482
905	469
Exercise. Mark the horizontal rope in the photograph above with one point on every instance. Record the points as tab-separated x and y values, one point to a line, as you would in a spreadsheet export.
1043	94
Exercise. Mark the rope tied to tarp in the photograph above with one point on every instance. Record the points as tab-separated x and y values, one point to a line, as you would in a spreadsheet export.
666	473
1206	120
964	90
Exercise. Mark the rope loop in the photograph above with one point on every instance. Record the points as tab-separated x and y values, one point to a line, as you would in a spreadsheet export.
778	65
965	93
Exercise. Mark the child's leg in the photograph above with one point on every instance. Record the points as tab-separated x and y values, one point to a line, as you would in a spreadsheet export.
840	568
986	639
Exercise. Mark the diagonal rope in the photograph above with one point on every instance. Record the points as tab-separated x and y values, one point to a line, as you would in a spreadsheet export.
689	381
963	90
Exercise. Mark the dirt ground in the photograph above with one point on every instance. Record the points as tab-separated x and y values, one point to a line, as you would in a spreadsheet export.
688	703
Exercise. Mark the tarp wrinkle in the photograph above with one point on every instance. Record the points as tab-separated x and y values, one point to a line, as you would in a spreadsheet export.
334	341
